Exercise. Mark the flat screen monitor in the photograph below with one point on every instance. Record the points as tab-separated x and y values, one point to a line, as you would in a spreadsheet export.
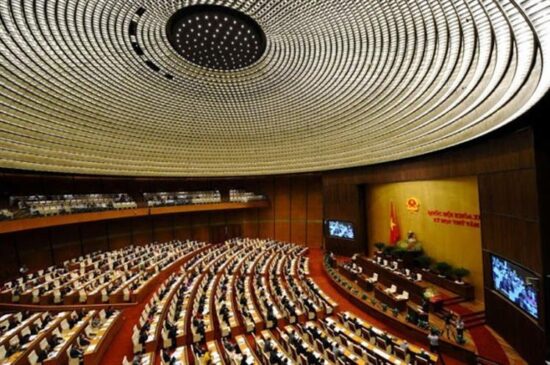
516	284
340	229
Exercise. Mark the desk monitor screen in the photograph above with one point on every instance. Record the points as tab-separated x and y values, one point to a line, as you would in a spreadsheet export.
340	229
514	283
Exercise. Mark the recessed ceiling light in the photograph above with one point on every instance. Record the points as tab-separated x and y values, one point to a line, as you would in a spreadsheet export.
212	48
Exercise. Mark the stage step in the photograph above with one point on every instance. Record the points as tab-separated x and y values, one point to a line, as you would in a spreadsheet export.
472	319
471	325
484	361
454	300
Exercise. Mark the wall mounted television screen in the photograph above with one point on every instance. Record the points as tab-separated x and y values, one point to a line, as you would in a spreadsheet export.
340	229
512	281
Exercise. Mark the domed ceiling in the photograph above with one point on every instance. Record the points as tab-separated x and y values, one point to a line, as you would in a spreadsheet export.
139	87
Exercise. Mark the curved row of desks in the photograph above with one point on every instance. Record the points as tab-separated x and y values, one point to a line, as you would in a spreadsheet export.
364	300
241	279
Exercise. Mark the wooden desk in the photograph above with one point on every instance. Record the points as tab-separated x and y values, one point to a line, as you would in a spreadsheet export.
117	296
5	317
465	290
361	279
346	273
309	347
252	308
145	359
387	277
158	322
321	294
103	338
347	353
247	351
396	341
58	355
286	292
267	335
181	355
20	357
215	353
17	329
184	321
389	299
229	297
379	353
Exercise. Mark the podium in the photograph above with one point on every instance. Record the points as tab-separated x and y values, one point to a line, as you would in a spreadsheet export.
416	314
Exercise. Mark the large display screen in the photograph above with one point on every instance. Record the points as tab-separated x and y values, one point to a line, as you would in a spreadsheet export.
514	283
340	229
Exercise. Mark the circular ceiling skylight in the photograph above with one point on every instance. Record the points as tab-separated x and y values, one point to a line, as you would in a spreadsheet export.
216	37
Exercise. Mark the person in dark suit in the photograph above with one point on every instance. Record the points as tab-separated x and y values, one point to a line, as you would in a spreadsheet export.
274	358
54	340
12	349
83	340
198	323
172	332
448	319
76	352
268	346
167	358
425	305
42	355
143	336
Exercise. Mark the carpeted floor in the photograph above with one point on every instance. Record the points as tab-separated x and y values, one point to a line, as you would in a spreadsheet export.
486	343
122	344
488	346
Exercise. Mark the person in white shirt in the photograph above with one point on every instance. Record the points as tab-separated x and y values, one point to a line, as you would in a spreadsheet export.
433	338
459	327
404	346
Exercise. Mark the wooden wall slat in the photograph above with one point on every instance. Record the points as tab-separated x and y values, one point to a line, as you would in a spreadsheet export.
66	243
34	249
200	226
10	261
182	226
163	228
142	230
120	233
94	237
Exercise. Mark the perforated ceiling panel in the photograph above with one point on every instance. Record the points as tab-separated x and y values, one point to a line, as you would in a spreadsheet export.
95	86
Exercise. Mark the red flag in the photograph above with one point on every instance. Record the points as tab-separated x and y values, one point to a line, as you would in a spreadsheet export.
394	228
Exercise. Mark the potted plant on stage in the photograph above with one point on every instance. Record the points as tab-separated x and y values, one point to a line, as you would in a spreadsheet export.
460	273
423	262
443	269
379	248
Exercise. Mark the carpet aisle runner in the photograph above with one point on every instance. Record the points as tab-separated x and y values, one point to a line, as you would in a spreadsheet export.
122	343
